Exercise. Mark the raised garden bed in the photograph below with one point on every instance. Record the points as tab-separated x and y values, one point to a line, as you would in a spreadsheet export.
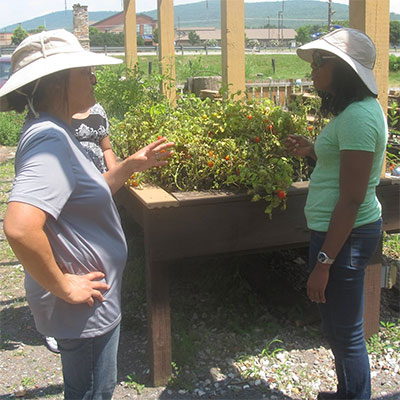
191	224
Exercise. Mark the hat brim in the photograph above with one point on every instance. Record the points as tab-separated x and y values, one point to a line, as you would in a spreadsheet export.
306	51
49	65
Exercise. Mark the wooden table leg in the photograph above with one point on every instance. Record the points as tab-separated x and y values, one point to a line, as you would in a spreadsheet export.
372	294
159	322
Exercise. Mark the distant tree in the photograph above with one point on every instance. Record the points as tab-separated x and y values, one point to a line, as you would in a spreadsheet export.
39	29
105	38
19	35
211	42
194	38
139	40
303	35
395	33
155	35
344	24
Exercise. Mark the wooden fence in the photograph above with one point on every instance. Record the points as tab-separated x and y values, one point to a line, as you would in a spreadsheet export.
279	91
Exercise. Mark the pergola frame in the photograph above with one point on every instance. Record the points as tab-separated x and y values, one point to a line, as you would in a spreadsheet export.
370	16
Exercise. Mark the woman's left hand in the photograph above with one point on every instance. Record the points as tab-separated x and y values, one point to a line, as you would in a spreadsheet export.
153	155
317	282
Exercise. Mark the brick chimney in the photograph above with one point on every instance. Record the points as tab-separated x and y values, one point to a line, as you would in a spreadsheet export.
81	25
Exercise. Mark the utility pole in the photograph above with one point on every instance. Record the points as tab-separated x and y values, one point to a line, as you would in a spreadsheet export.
329	15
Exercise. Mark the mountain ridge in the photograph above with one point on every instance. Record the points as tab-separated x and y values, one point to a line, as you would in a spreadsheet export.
296	13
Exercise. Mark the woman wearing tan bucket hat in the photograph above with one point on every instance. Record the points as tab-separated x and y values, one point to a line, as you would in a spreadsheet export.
61	220
342	210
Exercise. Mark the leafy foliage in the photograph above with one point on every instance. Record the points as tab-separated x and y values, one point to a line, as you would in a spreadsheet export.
222	144
39	29
105	38
10	128
120	90
194	38
394	63
395	33
19	35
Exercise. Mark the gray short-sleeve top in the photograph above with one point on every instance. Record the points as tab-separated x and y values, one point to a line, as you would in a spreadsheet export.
54	173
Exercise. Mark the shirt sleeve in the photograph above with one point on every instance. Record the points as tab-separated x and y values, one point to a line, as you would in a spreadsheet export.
357	130
44	174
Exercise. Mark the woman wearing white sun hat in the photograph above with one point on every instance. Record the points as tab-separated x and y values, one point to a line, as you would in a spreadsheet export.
342	210
61	220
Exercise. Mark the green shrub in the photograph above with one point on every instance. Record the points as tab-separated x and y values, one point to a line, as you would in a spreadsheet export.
120	89
394	63
10	128
223	144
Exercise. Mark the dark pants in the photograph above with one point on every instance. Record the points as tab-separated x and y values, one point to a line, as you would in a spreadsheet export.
342	314
90	366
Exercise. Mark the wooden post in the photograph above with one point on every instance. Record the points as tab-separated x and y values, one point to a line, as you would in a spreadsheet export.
166	41
373	18
158	320
233	50
130	33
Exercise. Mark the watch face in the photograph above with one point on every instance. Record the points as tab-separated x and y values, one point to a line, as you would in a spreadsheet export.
322	257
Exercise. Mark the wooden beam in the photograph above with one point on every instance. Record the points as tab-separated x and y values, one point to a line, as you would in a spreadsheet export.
166	41
130	33
233	46
373	18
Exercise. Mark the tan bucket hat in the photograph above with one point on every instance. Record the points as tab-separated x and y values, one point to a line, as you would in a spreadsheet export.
352	46
44	53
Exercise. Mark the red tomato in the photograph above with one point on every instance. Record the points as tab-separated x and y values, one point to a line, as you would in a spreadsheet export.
210	164
257	139
281	193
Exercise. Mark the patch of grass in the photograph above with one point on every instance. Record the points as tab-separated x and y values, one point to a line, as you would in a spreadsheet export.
131	382
391	245
27	381
386	340
287	66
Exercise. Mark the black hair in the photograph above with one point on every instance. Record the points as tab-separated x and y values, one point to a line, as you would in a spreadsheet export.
348	88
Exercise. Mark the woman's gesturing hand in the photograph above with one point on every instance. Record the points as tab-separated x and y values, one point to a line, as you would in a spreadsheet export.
299	146
85	288
153	155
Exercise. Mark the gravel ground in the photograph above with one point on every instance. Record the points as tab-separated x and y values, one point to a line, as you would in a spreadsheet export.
238	333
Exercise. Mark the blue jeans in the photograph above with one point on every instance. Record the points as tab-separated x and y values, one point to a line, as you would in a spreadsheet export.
342	314
90	366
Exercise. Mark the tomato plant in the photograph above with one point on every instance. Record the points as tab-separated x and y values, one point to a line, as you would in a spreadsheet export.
219	144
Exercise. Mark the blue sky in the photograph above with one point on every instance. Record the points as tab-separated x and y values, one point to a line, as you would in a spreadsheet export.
21	10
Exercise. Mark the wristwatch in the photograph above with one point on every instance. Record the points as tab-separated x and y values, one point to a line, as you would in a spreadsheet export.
323	258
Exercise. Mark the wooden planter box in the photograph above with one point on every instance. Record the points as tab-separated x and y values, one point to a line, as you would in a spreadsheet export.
183	225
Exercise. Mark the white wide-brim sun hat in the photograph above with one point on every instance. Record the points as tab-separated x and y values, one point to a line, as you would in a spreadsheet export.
44	53
352	46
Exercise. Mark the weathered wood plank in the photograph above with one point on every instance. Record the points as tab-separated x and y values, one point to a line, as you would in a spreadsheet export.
130	33
158	320
166	35
233	46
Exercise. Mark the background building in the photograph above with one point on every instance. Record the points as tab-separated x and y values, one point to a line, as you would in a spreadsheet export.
145	26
